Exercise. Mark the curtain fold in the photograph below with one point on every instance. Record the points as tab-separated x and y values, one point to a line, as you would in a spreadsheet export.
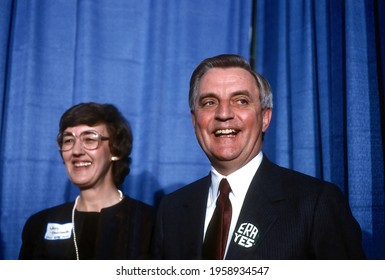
323	59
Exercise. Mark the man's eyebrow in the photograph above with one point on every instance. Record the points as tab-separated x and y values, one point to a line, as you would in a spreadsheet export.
241	92
206	95
235	93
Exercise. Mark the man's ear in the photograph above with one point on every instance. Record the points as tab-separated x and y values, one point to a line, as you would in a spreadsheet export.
266	118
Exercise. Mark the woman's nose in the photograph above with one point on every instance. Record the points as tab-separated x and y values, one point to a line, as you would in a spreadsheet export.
78	148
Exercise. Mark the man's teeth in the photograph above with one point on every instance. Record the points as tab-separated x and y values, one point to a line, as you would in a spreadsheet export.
82	164
225	131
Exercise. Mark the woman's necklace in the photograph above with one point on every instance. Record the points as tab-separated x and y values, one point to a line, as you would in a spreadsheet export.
73	223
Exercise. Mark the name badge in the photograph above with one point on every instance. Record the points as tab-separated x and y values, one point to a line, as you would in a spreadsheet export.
58	231
246	235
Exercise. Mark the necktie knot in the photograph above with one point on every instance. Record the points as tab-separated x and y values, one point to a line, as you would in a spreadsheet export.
224	187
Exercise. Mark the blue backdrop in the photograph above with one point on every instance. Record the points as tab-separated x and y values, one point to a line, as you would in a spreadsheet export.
324	59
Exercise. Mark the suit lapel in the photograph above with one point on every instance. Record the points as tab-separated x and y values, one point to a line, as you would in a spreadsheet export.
260	209
194	211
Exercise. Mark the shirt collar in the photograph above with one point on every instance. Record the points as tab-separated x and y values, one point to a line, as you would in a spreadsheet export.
239	180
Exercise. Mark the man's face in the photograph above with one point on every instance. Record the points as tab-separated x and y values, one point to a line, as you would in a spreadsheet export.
228	119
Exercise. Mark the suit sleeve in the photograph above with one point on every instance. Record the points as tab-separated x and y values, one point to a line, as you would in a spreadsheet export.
157	240
336	234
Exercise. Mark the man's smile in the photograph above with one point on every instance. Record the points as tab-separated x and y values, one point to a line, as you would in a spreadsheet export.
226	132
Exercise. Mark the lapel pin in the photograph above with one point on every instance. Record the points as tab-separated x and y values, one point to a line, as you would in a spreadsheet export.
246	235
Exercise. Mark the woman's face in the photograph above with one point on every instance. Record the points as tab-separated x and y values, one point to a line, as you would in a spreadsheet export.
88	168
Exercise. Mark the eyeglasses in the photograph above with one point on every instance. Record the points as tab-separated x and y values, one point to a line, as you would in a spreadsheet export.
89	140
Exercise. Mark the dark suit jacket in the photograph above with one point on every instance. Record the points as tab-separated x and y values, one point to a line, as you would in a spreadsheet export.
296	216
124	232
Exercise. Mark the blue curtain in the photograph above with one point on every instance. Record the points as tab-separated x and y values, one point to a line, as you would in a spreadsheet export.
138	55
325	62
323	59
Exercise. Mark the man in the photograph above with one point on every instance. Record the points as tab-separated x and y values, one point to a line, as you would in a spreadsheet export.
275	213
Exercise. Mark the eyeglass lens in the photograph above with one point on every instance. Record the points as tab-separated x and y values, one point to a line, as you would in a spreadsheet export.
89	140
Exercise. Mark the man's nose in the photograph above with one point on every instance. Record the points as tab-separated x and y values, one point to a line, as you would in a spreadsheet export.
224	111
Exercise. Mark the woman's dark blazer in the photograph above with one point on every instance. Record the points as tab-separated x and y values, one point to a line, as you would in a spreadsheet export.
124	231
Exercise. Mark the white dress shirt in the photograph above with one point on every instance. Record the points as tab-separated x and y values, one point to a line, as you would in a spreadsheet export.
239	181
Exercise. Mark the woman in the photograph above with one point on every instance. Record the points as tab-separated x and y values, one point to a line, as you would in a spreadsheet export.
95	142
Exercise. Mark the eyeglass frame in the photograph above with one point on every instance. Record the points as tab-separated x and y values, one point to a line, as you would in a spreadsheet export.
62	134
